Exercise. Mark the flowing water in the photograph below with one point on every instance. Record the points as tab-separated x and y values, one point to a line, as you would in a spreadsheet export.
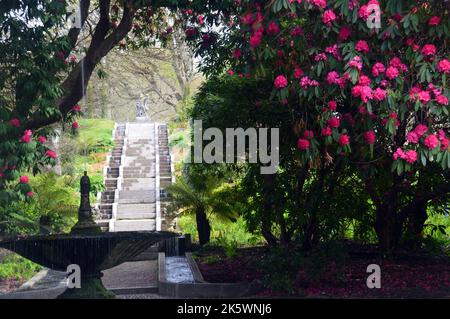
178	270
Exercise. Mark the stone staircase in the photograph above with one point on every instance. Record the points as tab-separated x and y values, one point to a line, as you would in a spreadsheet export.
139	169
106	202
136	203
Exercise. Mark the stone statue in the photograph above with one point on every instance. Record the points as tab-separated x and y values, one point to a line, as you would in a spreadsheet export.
84	212
140	110
86	223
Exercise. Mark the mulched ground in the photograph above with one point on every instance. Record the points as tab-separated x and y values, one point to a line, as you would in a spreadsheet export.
406	275
8	285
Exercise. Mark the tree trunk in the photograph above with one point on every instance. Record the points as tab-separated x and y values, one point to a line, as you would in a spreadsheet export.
416	223
388	227
268	207
203	227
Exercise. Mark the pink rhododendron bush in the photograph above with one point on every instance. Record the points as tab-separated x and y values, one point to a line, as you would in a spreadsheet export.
374	98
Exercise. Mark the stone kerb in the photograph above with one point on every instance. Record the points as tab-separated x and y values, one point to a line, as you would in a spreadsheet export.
201	288
157	182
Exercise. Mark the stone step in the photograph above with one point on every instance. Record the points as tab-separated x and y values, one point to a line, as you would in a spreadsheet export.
136	211
138	184
138	196
135	225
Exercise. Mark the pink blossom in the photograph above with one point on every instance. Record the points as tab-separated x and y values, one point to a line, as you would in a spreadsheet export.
431	141
297	32
370	137
444	66
24	179
420	129
398	64
434	21
328	17
298	73
443	140
303	144
379	94
332	105
424	97
442	100
412	137
344	33
444	143
15	122
392	73
344	140
30	194
333	50
429	49
26	138
364	80
356	63
305	82
75	125
326	131
308	134
280	82
333	77
319	3
237	54
378	69
410	156
76	108
255	40
334	122
42	139
320	57
230	72
190	32
272	29
362	46
365	92
398	154
51	154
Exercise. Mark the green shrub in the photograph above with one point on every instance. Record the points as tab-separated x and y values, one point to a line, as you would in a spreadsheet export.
17	267
228	235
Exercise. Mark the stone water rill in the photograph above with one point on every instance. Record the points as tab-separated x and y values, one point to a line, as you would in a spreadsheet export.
85	246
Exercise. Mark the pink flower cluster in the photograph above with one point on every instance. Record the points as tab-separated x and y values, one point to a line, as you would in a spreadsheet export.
364	12
328	17
303	144
280	82
51	154
362	46
272	29
363	91
370	137
319	3
24	179
306	82
428	50
431	141
26	138
14	122
410	156
356	63
444	66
